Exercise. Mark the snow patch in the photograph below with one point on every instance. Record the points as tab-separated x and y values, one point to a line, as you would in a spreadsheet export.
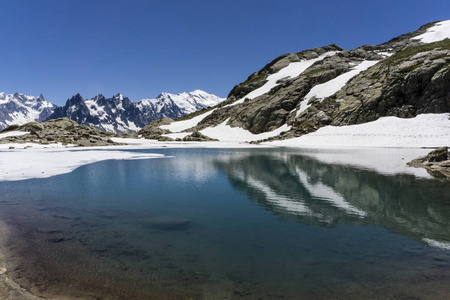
12	133
437	32
332	86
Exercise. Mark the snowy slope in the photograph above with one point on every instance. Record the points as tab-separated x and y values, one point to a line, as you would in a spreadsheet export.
20	109
291	71
438	32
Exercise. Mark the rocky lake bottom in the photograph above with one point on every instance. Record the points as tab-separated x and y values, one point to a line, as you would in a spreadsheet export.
227	224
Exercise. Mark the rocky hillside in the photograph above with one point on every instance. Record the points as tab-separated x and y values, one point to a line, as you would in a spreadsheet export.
64	131
20	109
121	115
297	93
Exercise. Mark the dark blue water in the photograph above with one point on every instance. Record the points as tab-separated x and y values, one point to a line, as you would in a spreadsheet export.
228	224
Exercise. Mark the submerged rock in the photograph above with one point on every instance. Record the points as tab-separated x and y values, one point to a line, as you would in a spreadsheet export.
167	223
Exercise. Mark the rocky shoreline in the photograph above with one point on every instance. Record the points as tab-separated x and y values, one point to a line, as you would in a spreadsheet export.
9	289
437	163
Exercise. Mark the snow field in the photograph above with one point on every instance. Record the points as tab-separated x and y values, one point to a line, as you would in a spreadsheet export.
426	130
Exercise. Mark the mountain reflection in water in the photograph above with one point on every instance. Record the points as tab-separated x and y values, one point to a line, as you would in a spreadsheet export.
297	186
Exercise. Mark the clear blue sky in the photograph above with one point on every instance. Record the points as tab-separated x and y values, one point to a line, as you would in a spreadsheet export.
141	48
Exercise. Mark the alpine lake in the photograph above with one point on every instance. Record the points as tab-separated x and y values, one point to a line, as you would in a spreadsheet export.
228	224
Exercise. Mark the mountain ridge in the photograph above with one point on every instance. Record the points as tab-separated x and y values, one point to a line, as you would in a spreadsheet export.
117	114
403	77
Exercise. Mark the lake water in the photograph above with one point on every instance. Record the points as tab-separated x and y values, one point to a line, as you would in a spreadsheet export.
228	224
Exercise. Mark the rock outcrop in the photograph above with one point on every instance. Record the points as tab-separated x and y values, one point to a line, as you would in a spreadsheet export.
198	137
153	132
63	130
437	163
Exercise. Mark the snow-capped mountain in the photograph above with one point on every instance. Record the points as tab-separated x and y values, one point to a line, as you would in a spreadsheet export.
121	115
396	94
20	109
174	106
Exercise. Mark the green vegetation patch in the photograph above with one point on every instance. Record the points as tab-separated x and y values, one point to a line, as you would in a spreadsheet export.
313	72
257	78
409	69
70	128
401	55
10	128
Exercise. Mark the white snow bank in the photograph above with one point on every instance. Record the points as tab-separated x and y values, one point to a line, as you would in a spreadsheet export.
332	86
426	130
42	163
438	32
292	70
35	146
178	126
226	133
12	133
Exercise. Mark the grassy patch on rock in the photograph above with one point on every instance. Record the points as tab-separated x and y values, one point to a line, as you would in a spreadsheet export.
401	55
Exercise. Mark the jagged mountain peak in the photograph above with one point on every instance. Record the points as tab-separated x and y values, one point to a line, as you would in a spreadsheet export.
119	96
99	97
76	97
19	108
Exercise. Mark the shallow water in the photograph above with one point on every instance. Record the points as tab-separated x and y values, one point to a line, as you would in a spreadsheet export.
228	224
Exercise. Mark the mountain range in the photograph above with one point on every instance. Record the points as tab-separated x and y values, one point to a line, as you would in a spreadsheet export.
115	115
